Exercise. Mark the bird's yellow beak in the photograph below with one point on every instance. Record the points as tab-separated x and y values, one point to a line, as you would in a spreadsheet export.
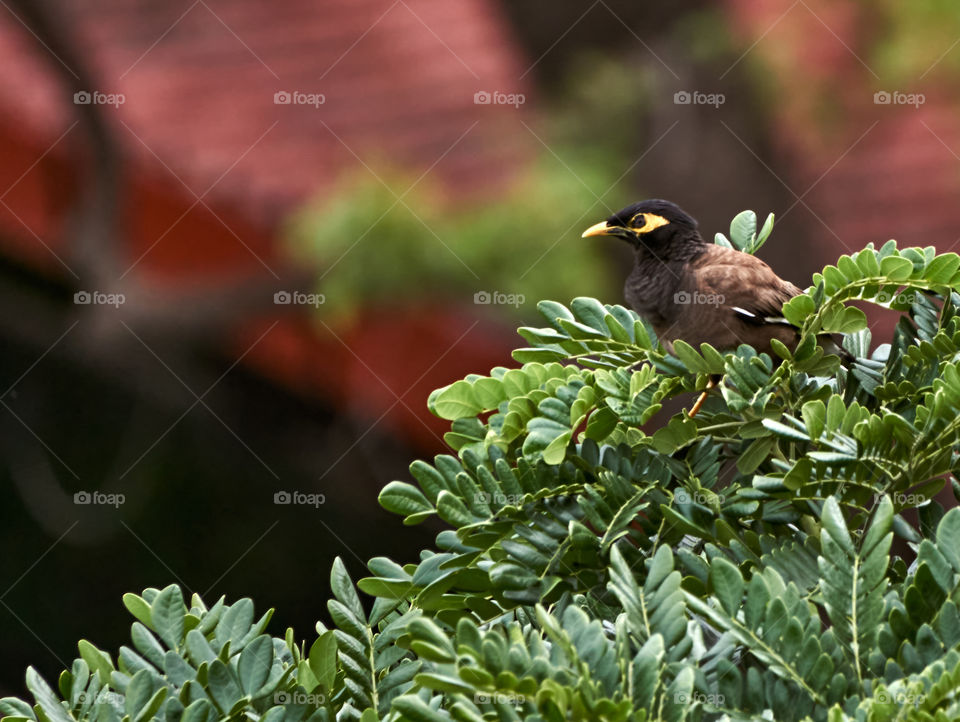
598	229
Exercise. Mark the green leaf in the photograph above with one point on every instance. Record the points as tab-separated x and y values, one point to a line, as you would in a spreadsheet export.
415	709
896	268
797	309
405	499
948	538
323	659
548	439
789	432
755	454
167	614
452	510
343	589
847	319
139	608
138	694
98	661
235	622
764	233
456	401
253	667
853	580
199	711
13	708
691	359
743	229
222	686
942	268
799	474
591	312
678	432
727	584
814	415
46	698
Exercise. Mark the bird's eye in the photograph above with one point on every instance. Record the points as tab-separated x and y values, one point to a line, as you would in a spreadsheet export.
639	220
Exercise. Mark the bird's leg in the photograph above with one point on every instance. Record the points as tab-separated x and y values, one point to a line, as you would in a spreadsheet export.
703	397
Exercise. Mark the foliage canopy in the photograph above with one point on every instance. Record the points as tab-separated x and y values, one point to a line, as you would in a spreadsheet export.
737	565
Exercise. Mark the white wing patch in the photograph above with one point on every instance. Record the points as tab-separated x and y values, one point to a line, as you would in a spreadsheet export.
753	318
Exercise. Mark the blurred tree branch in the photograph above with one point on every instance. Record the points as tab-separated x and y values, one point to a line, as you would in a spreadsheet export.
92	222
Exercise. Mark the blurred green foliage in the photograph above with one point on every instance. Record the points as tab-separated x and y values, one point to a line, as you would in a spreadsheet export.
913	39
372	249
423	247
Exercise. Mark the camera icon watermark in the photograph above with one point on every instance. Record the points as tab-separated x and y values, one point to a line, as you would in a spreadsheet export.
499	498
903	500
695	97
299	698
97	498
298	298
889	297
498	698
296	97
95	97
884	97
496	298
103	697
696	697
97	298
684	496
298	498
695	298
886	696
484	97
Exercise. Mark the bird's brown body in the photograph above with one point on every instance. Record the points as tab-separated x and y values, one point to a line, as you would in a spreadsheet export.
696	291
711	294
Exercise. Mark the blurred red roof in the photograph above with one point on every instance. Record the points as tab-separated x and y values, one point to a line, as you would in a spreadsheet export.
876	166
199	121
870	161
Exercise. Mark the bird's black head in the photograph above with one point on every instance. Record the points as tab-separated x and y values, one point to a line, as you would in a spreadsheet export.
652	223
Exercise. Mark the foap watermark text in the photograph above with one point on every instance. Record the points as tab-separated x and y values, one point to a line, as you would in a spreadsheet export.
98	498
498	698
296	97
885	97
695	298
698	697
299	298
683	496
298	697
98	298
902	699
496	298
499	498
95	97
483	97
897	298
695	97
298	498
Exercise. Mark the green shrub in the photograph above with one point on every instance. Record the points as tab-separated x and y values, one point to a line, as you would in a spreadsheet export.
420	247
737	565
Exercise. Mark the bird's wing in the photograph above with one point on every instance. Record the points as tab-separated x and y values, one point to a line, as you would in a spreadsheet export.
744	284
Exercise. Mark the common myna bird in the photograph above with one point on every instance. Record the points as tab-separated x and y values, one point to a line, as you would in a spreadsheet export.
697	291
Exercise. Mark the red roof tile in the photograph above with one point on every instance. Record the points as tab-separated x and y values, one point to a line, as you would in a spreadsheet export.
398	79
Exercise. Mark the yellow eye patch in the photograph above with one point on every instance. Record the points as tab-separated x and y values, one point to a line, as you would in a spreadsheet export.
650	222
